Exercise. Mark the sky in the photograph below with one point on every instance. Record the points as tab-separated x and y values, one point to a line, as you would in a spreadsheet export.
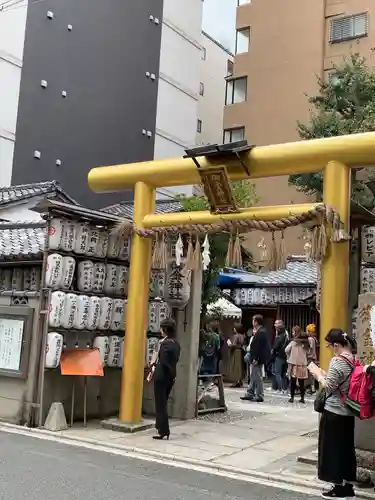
219	21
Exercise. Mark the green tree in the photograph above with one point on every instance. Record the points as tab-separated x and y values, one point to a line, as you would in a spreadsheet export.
245	196
345	104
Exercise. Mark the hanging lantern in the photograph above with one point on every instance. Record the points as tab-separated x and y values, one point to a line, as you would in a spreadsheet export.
177	289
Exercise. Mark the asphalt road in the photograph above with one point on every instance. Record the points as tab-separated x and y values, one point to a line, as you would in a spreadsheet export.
43	470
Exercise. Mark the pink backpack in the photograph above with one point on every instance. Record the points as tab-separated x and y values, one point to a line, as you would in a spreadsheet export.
360	400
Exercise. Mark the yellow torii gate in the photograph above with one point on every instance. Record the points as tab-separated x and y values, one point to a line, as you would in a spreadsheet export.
335	156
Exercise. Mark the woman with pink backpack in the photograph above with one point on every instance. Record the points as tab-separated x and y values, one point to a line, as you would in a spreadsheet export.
336	455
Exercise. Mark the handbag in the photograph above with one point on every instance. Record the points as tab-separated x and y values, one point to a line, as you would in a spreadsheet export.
320	400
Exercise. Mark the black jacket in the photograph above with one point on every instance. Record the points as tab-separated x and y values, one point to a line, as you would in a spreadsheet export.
169	354
278	350
260	347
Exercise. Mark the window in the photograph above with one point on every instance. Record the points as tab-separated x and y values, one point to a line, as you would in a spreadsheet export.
236	90
203	54
242	40
229	68
201	88
199	126
234	135
243	2
349	27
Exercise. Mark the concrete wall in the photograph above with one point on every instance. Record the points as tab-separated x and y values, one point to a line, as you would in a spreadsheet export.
12	35
102	65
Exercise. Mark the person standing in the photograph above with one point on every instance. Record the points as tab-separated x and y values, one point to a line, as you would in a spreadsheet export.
236	361
259	355
336	451
279	358
163	374
296	352
312	354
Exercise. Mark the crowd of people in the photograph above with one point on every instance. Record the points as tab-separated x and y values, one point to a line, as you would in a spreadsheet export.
255	354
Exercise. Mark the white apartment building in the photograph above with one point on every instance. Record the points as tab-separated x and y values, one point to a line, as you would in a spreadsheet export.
215	65
12	35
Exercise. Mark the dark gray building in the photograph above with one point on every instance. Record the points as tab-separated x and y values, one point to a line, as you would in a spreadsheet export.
87	97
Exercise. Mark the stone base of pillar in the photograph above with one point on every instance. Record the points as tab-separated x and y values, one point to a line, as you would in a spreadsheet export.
114	424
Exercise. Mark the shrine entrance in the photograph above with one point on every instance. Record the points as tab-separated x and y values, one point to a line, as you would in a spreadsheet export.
215	167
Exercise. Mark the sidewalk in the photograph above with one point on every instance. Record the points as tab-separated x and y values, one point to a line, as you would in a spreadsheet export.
265	437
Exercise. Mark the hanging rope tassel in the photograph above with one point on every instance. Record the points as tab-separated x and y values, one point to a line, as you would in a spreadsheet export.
229	256
322	241
197	256
155	261
189	256
272	263
282	257
163	249
237	252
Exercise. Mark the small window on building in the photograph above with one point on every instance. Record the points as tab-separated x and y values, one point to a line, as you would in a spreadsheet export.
201	88
203	53
242	40
234	135
243	2
199	126
229	68
236	90
348	28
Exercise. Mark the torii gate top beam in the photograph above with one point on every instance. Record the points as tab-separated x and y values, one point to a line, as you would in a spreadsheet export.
265	161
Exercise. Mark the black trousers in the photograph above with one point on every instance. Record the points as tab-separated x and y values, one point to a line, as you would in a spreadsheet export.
162	390
336	459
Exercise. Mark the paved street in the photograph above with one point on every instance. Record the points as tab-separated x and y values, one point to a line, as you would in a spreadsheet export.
42	470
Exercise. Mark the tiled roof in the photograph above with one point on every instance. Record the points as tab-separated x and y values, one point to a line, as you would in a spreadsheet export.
126	208
23	240
297	273
12	194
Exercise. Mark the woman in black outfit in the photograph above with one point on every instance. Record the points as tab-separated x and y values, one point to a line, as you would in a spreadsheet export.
163	373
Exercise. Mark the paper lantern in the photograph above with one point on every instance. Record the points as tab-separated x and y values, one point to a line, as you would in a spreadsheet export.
54	270
122	281
102	344
105	317
99	277
102	247
94	313
117	322
114	356
69	311
54	347
81	238
69	236
55	233
81	317
368	244
85	276
110	279
56	309
93	241
177	289
68	268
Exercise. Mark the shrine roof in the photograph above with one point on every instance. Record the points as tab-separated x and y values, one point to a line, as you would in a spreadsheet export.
22	240
298	272
126	208
22	192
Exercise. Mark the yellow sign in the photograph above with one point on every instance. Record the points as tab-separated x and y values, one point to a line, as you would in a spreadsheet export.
218	190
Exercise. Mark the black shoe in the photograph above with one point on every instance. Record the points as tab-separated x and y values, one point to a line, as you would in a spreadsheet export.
349	490
302	400
161	436
259	400
247	398
335	492
291	400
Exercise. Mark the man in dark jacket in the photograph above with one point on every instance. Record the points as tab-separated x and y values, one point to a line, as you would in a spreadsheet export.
259	356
